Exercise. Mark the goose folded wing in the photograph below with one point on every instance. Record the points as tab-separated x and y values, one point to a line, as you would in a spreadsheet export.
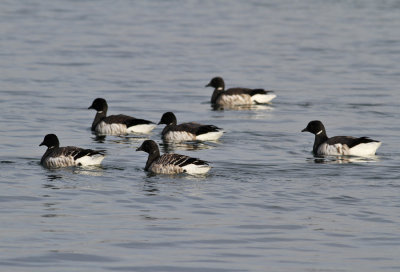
207	129
77	152
134	122
179	160
349	141
117	119
129	121
361	140
258	91
238	91
251	92
195	128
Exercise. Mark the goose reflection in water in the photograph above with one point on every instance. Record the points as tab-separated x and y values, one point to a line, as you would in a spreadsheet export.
119	139
344	159
169	147
59	174
242	107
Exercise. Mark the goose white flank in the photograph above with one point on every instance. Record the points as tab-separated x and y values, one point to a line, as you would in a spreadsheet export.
117	124
237	96
171	163
187	131
340	145
56	156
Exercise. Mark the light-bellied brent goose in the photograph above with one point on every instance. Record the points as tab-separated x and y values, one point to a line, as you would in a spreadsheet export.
187	131
171	163
237	96
56	156
117	124
340	145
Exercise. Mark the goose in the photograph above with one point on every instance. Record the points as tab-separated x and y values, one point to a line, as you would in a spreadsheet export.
56	156
237	96
187	131
171	163
117	124
340	145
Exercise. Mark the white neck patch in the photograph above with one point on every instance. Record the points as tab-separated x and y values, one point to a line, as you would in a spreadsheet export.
100	111
319	132
220	89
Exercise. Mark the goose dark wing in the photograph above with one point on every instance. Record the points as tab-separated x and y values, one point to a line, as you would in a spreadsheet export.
348	140
251	92
76	152
129	121
179	160
117	119
207	129
361	140
238	91
195	128
259	91
188	127
134	122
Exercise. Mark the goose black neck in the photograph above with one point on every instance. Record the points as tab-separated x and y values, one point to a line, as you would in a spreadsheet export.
166	129
48	151
217	92
100	115
172	121
153	155
320	138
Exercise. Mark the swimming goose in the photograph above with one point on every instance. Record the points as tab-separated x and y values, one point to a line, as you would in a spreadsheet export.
56	156
187	131
237	96
340	145
171	163
117	124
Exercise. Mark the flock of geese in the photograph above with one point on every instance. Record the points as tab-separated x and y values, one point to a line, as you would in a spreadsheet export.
56	156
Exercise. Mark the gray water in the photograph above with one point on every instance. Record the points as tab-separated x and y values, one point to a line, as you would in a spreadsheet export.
267	204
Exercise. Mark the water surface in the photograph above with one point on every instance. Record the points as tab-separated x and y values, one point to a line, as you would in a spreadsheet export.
267	204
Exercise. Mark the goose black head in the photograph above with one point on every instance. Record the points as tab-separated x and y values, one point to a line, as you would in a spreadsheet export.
99	104
50	140
217	83
168	118
315	127
148	146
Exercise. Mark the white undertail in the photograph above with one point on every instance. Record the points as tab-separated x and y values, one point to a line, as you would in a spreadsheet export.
194	169
362	150
263	98
210	136
144	128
